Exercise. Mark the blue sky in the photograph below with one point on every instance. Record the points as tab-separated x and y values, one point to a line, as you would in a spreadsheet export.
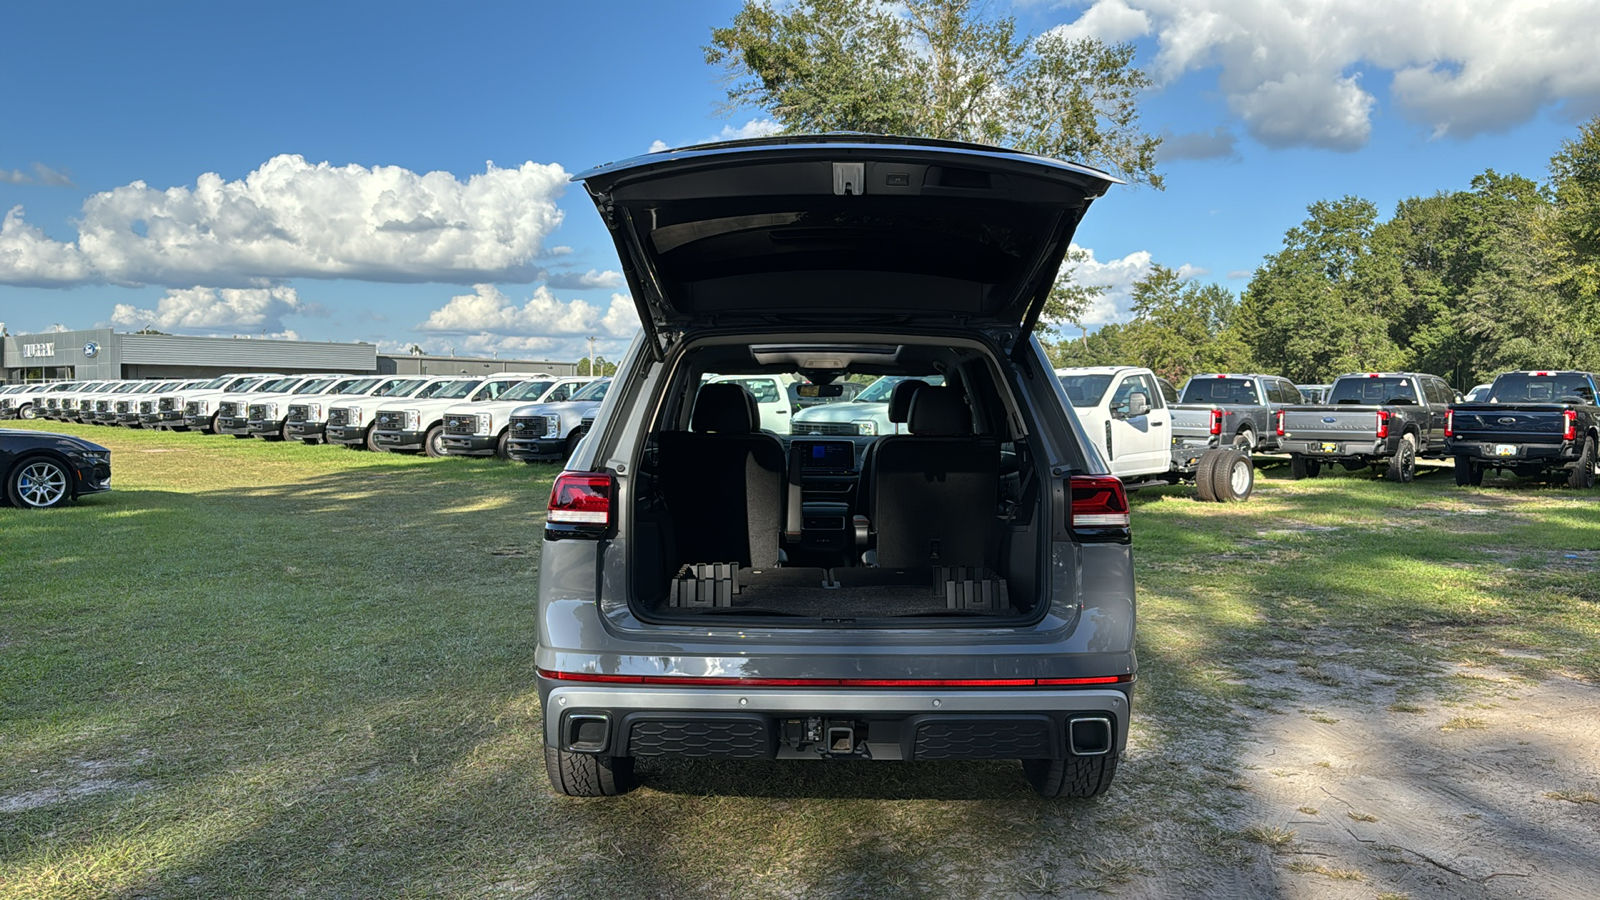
246	169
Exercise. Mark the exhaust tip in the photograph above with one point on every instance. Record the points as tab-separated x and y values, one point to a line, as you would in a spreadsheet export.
1089	737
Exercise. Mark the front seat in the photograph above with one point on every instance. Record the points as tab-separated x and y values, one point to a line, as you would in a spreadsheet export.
935	491
722	482
899	410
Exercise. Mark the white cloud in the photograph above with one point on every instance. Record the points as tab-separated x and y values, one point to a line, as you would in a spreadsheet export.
15	176
42	174
1117	276
1291	69
487	311
28	257
585	280
752	129
205	309
294	219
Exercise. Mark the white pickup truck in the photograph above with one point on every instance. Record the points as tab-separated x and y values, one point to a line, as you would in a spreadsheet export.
418	424
351	421
484	428
1126	411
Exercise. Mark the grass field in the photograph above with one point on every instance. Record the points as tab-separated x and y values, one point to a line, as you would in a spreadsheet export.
275	670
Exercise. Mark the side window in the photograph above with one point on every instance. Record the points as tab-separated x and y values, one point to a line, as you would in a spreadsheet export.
493	389
562	392
765	389
1274	390
1169	394
1435	391
1291	394
1131	385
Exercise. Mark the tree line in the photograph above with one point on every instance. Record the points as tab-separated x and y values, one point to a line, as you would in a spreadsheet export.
1464	284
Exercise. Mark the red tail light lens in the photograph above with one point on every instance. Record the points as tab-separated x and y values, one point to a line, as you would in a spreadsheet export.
1450	423
1279	427
1216	421
581	498
1571	418
1383	423
1099	507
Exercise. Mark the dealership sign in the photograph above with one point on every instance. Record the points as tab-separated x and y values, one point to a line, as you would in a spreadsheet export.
29	350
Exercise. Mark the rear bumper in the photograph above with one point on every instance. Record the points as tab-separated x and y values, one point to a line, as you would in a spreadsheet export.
1339	448
1552	454
783	723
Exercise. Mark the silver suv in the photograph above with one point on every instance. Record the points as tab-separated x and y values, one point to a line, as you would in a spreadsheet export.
963	591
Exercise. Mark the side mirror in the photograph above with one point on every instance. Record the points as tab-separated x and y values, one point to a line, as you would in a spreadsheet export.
1138	405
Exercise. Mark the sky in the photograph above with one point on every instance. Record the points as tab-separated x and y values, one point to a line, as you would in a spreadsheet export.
397	172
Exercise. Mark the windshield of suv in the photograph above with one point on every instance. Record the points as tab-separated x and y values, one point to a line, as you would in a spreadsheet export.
528	390
1085	390
592	391
451	390
1373	391
314	387
879	391
1551	387
1220	390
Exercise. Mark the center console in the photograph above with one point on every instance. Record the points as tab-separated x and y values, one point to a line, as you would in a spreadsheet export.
828	474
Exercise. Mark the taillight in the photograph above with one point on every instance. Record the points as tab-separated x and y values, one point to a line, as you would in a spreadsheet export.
580	504
1571	418
1450	423
1099	508
1383	423
1279	426
1216	421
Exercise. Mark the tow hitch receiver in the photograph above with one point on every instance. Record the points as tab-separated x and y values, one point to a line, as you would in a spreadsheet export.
825	737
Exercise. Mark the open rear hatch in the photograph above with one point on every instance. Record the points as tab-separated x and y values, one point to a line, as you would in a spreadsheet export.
835	229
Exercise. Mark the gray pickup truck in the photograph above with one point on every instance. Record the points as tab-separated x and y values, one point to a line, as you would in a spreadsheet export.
1231	410
1533	423
1369	419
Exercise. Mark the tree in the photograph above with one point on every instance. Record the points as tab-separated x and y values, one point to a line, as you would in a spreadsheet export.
1068	299
601	367
414	349
937	69
1315	310
1180	327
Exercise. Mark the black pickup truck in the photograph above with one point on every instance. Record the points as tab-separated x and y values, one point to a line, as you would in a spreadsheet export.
1534	423
1369	419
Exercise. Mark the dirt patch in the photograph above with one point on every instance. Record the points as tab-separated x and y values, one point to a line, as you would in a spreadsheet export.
1430	797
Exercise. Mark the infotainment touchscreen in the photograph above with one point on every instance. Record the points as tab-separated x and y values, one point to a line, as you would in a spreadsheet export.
831	456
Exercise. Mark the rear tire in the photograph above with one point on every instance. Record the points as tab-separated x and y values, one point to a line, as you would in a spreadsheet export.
371	440
1077	777
1582	474
1234	477
1245	440
502	447
1203	473
572	445
1465	471
588	775
1403	467
1300	467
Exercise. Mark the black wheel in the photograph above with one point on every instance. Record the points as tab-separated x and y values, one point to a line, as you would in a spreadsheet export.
1245	440
1582	472
502	447
38	483
1465	472
588	775
1203	476
371	441
27	412
1079	777
283	432
433	442
572	444
1403	467
210	427
1300	467
1233	477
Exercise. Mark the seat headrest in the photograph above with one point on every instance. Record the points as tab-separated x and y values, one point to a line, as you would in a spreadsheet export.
724	408
939	410
900	399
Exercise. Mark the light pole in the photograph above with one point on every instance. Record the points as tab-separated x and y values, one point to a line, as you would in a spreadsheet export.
592	339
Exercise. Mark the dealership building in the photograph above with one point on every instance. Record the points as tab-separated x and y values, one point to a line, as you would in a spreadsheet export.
102	354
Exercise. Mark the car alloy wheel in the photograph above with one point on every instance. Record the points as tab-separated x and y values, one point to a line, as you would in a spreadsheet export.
40	484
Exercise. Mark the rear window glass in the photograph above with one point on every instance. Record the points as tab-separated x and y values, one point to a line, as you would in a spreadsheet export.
1220	390
1520	387
1384	391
